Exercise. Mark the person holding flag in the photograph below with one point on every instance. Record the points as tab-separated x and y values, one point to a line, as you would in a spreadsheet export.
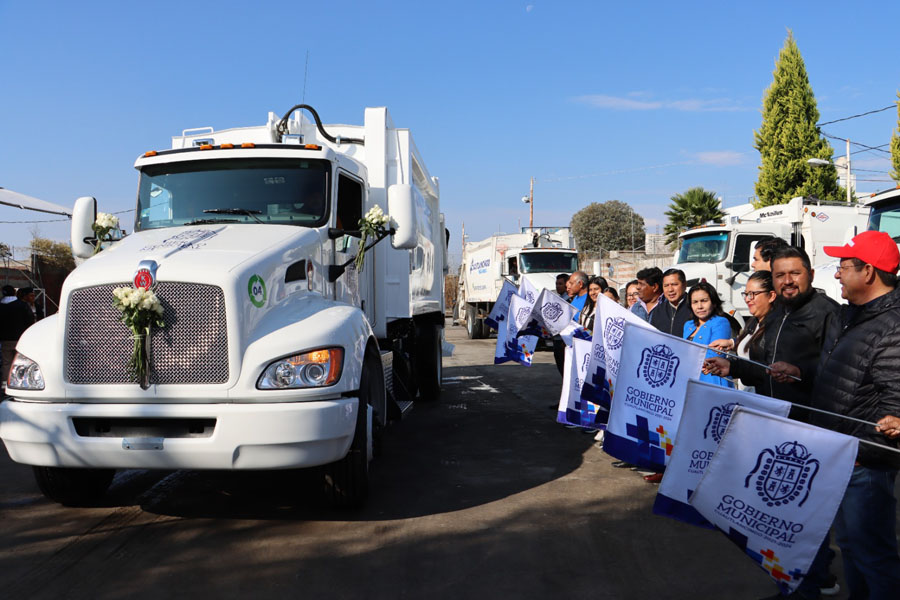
709	324
857	377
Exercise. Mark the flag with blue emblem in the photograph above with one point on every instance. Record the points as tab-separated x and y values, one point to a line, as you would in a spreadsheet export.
572	409
518	338
707	410
648	395
552	312
609	325
773	488
501	307
528	291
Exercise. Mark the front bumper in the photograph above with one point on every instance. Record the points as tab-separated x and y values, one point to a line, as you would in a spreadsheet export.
245	436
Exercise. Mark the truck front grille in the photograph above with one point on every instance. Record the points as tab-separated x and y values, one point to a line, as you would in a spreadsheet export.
192	348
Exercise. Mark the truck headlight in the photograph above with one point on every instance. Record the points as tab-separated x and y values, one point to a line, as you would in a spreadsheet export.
318	368
25	374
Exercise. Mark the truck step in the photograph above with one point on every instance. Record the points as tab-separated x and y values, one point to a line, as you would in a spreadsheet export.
399	401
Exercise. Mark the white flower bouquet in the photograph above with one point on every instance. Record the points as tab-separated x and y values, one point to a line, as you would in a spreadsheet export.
371	225
140	310
104	224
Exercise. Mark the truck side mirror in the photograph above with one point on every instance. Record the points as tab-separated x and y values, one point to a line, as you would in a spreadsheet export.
84	213
402	209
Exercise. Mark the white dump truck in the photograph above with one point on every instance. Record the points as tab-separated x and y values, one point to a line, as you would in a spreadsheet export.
538	254
720	253
274	351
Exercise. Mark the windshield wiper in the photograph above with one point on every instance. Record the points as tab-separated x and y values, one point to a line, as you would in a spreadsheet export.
209	221
236	211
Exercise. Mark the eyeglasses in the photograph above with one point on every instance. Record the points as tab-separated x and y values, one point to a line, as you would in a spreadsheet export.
841	268
633	295
751	295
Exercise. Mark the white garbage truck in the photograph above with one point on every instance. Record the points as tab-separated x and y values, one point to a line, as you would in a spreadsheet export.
538	254
721	253
274	351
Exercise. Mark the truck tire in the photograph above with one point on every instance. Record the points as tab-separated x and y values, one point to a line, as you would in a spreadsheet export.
474	325
346	482
73	487
429	361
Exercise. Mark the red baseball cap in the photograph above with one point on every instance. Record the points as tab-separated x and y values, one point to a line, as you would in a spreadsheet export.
875	248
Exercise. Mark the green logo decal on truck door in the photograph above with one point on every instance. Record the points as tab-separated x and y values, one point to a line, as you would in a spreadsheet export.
256	287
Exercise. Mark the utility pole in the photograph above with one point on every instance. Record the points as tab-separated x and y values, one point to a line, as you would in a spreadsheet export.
531	203
849	195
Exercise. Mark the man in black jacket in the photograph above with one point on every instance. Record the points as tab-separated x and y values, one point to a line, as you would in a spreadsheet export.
671	314
858	377
794	333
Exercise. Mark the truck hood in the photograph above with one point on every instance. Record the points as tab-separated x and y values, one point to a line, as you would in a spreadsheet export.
186	251
698	271
542	280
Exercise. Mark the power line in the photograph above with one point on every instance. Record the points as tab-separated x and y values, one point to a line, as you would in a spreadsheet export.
871	112
876	148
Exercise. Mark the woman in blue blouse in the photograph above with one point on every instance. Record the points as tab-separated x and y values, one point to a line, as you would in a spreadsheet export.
709	324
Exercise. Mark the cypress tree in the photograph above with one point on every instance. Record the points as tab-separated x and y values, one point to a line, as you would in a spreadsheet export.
895	147
789	136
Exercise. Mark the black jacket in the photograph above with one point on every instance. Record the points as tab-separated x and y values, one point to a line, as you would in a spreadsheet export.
671	320
15	318
859	375
794	335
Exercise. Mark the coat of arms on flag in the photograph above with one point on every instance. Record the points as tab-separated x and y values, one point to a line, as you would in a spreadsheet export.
704	418
648	395
773	487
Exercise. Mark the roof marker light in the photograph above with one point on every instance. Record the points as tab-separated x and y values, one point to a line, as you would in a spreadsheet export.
312	147
206	147
150	153
248	145
226	146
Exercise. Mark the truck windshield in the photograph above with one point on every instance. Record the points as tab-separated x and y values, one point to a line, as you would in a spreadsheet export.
704	248
548	262
283	191
886	217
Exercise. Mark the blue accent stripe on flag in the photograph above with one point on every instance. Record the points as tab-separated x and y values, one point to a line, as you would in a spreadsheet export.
669	507
635	453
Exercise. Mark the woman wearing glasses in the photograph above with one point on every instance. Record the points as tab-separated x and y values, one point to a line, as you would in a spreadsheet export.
760	298
631	293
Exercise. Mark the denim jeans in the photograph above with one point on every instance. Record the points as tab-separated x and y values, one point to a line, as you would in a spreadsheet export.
866	531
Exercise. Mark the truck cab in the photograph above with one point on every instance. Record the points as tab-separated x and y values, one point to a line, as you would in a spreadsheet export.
275	351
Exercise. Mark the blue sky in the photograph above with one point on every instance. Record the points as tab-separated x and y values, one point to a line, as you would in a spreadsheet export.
598	101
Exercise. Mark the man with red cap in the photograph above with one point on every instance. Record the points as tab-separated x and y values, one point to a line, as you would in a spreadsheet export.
859	376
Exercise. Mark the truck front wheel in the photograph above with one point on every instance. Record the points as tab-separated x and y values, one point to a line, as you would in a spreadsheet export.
73	487
346	482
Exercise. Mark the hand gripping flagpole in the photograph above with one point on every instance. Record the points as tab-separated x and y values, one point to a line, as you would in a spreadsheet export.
730	355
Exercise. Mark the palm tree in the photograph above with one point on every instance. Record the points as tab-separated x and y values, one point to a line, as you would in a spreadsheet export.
690	209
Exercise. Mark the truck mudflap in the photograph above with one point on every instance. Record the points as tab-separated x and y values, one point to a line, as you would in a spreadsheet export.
399	401
171	436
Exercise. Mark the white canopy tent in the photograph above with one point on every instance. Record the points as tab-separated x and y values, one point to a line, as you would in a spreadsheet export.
17	200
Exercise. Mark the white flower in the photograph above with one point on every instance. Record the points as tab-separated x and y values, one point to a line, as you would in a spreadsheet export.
376	216
106	221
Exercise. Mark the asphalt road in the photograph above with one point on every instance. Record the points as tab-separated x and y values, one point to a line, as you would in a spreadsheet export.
478	495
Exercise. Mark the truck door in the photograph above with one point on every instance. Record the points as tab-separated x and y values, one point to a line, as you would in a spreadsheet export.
352	287
740	267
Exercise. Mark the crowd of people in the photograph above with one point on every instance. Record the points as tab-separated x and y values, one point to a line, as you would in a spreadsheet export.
18	312
838	364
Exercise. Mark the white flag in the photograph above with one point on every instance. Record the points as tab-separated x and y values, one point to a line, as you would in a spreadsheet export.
572	409
552	312
773	487
501	307
648	395
513	344
528	291
609	325
707	411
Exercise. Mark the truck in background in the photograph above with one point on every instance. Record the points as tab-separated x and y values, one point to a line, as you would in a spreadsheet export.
536	253
884	216
276	353
721	253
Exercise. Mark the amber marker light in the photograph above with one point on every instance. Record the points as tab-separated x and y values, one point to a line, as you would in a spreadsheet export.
149	153
226	146
248	145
